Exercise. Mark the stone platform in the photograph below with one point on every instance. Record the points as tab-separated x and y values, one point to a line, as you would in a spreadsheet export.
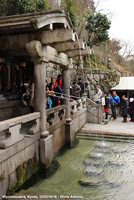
113	128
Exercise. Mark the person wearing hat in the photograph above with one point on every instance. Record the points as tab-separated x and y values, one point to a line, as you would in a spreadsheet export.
131	109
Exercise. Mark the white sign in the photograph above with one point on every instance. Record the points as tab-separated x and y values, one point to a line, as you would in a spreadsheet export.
103	101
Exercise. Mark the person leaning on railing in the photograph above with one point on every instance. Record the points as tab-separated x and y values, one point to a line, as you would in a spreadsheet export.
57	92
76	91
97	95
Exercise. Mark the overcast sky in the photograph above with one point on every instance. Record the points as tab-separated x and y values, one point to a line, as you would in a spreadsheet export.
122	11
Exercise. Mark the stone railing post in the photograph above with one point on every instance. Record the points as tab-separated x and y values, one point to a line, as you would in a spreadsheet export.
66	91
35	50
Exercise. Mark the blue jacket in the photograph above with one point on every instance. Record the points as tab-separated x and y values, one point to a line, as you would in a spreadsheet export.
115	101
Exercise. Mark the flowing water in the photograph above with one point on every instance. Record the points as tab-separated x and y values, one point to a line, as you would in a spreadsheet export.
94	170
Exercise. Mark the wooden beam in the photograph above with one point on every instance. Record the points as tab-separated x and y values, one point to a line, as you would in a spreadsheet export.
57	36
66	46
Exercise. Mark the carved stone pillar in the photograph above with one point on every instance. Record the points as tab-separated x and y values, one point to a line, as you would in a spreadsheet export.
35	50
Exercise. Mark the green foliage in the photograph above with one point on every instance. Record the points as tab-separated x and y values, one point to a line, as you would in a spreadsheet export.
69	7
97	25
20	175
94	63
1	178
13	7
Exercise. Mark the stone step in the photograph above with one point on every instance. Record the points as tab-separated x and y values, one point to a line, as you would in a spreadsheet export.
102	136
106	139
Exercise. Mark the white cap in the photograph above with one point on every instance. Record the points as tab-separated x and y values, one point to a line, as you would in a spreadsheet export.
131	99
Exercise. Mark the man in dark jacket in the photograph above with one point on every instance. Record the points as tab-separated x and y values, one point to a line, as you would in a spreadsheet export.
76	91
124	108
82	86
57	92
106	107
114	101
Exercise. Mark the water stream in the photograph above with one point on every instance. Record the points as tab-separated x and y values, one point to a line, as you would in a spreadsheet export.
95	170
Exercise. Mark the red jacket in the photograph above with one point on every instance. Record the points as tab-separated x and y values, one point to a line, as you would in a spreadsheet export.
59	82
56	85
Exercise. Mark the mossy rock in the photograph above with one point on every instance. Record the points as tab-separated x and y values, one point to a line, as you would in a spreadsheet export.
1	178
11	189
20	171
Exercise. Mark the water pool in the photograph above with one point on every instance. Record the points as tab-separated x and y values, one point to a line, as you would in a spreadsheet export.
95	170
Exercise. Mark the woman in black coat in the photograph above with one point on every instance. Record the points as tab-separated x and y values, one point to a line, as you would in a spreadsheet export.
124	108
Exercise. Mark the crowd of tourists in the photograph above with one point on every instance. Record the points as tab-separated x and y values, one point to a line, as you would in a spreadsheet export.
55	95
55	92
127	106
114	101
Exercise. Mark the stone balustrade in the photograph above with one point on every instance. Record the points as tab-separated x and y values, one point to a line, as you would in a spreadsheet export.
10	130
55	115
77	105
95	112
73	107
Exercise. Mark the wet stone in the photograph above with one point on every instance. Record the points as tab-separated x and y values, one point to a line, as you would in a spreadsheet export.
94	163
116	163
90	181
102	145
113	182
119	152
93	171
103	151
96	155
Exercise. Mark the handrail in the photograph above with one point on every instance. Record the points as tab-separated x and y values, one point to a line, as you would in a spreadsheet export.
92	102
11	129
55	109
19	120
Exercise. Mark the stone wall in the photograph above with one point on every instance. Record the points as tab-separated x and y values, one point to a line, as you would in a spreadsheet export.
105	79
22	160
18	163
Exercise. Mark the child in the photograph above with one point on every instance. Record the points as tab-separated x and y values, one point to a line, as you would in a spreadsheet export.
106	107
131	109
124	108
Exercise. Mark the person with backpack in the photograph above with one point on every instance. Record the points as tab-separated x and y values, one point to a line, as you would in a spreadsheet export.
114	101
